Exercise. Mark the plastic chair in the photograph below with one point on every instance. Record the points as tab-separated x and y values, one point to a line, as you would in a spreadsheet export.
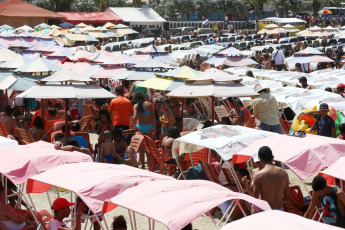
136	142
220	112
3	131
286	125
296	203
192	158
85	122
251	122
24	135
87	138
209	172
156	157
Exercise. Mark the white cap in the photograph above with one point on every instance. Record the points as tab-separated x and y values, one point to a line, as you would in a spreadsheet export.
255	156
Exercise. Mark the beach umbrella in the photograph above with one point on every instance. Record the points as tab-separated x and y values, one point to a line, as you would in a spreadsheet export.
76	37
24	28
6	54
121	59
100	28
66	25
263	31
110	34
98	34
7	27
27	34
315	28
42	26
160	83
7	34
324	12
55	32
122	32
330	28
106	72
80	54
66	75
38	47
54	48
288	26
81	25
63	41
308	59
121	26
63	52
144	57
230	52
214	75
109	25
269	220
135	75
96	182
100	56
309	51
151	49
152	64
16	62
183	72
296	153
196	197
80	67
271	26
87	29
39	65
277	31
231	61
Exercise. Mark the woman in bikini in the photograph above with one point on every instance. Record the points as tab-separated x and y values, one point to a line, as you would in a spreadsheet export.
144	116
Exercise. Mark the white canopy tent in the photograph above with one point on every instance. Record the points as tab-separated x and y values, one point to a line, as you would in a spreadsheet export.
138	16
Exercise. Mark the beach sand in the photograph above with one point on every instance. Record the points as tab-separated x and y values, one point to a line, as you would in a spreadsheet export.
202	222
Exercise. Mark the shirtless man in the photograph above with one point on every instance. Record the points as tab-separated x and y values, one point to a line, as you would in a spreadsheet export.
7	120
271	183
298	46
332	200
266	62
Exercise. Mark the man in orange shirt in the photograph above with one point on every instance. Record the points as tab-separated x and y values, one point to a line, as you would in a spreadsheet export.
120	109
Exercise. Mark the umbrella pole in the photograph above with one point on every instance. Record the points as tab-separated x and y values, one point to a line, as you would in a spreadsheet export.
308	67
123	85
66	119
212	110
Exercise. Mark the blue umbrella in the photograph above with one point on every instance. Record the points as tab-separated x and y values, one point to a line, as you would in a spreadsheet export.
66	25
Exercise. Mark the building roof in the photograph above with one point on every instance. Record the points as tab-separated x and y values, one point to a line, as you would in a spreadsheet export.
90	17
137	16
18	8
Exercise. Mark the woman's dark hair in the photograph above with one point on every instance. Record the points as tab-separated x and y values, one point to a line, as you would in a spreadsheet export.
17	113
174	132
58	106
128	138
106	114
207	124
7	110
226	120
71	141
140	99
38	123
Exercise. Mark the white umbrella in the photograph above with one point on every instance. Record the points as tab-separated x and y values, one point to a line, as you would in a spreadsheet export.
271	26
288	26
6	54
67	75
78	91
214	75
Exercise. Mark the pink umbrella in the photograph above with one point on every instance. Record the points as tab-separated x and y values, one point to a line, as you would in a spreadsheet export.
336	170
150	49
272	220
22	161
305	156
100	56
309	51
177	203
121	59
107	72
231	52
92	182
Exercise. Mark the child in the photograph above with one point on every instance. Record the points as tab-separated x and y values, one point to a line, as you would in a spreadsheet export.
342	131
107	148
167	119
130	157
103	125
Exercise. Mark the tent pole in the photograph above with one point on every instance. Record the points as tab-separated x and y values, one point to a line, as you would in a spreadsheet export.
212	110
66	119
123	85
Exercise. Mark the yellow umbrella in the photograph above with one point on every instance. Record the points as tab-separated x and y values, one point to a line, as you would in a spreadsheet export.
159	83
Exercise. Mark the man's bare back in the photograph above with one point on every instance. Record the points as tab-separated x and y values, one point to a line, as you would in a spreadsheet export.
8	123
272	185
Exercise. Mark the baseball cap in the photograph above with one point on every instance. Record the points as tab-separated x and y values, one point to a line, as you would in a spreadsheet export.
324	106
341	85
255	157
61	203
302	79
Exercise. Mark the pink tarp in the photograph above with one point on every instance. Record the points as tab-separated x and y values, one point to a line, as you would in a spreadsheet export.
336	170
177	203
305	156
22	161
92	182
273	220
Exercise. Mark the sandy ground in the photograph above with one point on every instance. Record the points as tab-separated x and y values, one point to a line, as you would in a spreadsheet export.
203	222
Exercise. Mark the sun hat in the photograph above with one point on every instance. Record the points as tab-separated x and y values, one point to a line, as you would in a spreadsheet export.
258	88
61	203
324	106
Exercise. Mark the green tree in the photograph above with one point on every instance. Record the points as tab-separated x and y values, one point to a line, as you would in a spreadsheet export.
103	5
256	5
